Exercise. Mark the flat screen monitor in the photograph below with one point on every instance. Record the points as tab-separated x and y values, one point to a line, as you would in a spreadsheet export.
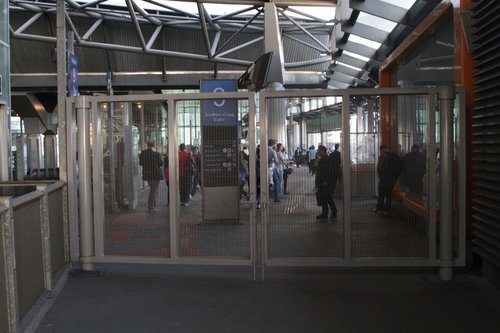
255	77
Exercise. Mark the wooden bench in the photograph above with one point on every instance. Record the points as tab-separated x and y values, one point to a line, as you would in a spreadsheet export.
413	202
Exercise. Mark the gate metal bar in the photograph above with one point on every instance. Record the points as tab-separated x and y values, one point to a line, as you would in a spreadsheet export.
431	178
346	165
97	205
346	94
348	260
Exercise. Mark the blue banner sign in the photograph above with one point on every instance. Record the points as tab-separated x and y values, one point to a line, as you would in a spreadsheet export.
220	112
73	75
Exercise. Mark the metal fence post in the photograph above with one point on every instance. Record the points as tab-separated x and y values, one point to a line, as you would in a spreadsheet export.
82	106
446	96
9	266
45	228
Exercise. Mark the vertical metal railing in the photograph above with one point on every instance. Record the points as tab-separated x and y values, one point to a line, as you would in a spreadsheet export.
27	249
175	231
9	301
261	240
346	176
445	259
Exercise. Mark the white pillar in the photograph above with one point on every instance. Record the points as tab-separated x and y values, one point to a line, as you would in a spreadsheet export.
82	106
276	116
5	149
5	135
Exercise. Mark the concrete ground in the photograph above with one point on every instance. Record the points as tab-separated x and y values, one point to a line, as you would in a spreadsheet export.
227	299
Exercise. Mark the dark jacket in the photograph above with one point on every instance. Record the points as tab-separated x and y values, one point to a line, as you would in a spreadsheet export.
336	164
324	175
389	167
414	165
151	162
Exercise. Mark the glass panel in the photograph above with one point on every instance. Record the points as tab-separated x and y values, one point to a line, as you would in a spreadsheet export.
388	196
134	137
301	181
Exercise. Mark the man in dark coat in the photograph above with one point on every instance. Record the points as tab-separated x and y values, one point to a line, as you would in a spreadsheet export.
335	156
414	170
324	185
151	162
388	170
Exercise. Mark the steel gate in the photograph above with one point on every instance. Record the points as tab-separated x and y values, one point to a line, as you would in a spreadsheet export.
125	228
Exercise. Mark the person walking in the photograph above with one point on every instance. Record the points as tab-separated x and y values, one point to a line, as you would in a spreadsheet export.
336	165
186	170
414	170
196	180
324	185
311	159
388	170
151	162
272	161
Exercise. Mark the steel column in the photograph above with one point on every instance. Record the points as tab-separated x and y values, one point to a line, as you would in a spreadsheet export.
446	96
346	176
173	172
253	181
82	106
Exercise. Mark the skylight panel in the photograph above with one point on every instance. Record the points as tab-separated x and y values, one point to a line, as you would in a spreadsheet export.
406	4
355	55
376	22
189	7
364	41
322	13
326	13
348	66
222	9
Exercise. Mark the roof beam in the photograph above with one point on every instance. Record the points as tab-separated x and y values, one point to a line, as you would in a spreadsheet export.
326	3
122	80
350	60
366	31
136	24
240	46
201	12
238	32
353	72
342	14
92	29
357	48
380	9
326	48
28	23
337	85
272	42
336	76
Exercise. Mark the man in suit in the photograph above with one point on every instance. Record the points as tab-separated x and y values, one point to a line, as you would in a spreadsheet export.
335	156
151	162
324	185
388	170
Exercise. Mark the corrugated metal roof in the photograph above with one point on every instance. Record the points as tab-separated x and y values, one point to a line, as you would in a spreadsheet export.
181	47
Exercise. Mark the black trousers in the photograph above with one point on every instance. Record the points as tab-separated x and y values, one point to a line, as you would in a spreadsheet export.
324	198
185	188
385	195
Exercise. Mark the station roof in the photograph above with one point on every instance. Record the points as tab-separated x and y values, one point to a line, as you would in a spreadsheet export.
158	44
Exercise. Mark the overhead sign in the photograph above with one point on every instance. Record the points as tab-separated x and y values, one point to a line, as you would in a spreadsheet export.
73	75
219	112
